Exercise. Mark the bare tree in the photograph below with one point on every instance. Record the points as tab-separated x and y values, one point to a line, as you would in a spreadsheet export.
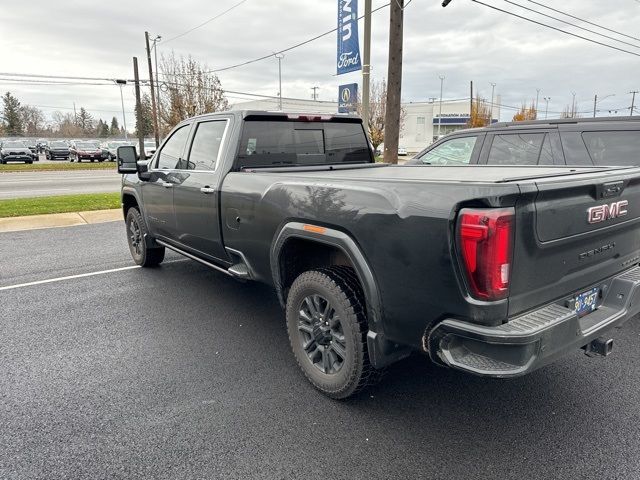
377	112
32	120
187	88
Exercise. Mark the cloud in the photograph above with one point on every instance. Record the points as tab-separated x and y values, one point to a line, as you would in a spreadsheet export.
464	41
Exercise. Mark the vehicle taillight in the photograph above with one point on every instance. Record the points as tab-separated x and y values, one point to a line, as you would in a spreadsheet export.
486	245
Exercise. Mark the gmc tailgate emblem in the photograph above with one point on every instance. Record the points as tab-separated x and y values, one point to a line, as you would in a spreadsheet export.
607	212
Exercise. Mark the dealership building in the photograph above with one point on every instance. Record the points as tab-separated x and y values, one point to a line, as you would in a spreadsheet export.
422	123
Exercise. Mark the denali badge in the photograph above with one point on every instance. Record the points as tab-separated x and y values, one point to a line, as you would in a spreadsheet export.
607	212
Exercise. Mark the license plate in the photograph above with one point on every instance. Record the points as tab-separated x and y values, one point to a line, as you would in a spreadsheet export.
586	302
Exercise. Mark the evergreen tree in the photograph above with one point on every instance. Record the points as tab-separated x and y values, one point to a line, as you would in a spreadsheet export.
102	129
12	117
146	116
85	121
114	131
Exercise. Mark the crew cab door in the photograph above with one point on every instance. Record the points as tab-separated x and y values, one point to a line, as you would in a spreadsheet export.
157	192
196	197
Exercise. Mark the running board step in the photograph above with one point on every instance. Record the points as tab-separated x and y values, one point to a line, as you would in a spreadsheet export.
240	270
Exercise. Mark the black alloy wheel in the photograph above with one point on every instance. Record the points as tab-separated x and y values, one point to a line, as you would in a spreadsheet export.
136	233
327	327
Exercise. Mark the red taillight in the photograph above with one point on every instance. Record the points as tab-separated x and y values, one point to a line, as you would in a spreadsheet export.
486	245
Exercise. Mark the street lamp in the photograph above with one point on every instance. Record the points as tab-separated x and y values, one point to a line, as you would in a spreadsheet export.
546	111
442	77
595	102
122	83
279	56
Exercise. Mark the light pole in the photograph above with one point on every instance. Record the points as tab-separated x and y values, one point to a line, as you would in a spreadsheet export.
537	98
122	83
493	89
595	102
279	56
442	77
546	110
573	105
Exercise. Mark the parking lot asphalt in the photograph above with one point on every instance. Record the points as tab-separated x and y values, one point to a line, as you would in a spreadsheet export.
38	184
182	372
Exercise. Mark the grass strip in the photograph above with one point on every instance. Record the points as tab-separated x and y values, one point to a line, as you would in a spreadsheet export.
17	207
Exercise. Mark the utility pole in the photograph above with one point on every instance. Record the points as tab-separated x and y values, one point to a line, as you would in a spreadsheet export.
136	78
471	101
279	56
366	66
155	53
493	89
546	111
537	98
314	95
573	105
595	103
633	101
122	83
75	115
153	94
442	77
394	82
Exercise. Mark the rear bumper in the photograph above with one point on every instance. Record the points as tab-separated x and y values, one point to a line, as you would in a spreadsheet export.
537	338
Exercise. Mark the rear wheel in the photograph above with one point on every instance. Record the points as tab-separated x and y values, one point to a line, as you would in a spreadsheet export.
136	233
327	326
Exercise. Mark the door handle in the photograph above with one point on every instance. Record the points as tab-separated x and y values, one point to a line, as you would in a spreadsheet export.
167	184
207	190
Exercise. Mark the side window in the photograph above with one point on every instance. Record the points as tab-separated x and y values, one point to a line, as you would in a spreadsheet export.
516	149
456	151
620	148
206	145
546	155
172	150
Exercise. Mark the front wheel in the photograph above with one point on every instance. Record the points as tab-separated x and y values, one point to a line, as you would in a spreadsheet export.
327	327
136	233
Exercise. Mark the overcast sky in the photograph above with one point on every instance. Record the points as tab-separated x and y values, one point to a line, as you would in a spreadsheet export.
465	41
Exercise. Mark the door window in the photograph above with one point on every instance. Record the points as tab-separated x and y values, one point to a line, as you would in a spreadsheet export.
456	151
171	152
516	149
206	145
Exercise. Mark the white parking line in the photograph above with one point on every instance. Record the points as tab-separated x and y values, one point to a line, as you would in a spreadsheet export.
82	275
60	279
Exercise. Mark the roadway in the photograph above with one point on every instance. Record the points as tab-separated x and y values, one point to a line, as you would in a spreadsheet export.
181	372
38	184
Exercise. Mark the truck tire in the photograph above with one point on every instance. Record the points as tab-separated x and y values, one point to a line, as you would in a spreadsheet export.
136	232
327	327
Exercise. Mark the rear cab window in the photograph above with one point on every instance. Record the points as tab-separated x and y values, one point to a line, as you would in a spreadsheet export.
285	142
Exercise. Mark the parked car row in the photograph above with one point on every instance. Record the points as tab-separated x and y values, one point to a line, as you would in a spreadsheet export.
27	150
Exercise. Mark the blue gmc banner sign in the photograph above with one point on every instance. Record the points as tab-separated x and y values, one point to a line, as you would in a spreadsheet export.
347	97
348	44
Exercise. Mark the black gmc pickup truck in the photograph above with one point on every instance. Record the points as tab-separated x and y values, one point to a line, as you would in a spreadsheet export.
492	270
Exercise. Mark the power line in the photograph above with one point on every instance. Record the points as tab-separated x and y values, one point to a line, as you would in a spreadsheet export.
312	39
556	28
583	20
572	24
205	22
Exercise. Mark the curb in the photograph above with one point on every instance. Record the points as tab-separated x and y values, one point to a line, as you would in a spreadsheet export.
54	220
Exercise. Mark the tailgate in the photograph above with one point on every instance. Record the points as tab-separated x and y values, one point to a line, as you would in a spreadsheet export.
572	233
